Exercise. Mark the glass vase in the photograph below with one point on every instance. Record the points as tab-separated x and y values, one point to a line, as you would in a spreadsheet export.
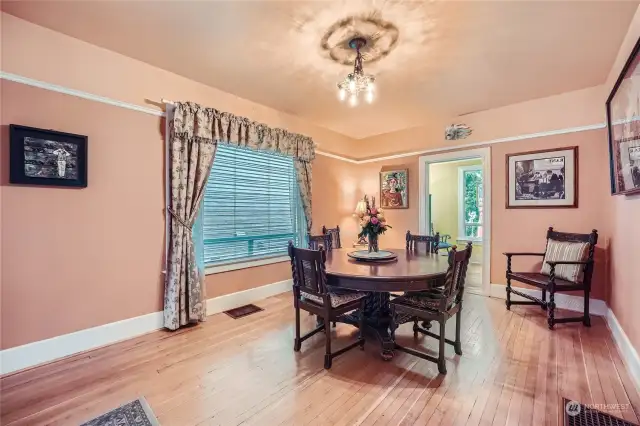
373	243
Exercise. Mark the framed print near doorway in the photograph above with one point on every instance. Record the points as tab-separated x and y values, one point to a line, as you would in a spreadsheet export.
542	179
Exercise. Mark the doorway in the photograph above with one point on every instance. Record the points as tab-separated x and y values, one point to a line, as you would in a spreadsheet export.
455	195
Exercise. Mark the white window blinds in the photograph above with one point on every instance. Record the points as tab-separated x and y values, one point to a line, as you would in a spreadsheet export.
252	206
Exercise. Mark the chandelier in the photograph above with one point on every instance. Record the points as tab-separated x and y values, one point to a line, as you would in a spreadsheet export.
357	82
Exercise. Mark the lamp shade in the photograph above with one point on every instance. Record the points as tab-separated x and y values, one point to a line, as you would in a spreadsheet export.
361	208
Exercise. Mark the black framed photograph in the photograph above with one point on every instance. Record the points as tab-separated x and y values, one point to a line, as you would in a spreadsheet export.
542	179
623	123
47	157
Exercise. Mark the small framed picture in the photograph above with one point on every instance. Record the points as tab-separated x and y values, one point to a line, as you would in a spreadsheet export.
47	157
394	190
543	179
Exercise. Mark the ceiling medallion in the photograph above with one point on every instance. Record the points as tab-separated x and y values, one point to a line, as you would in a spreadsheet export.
354	40
381	38
357	82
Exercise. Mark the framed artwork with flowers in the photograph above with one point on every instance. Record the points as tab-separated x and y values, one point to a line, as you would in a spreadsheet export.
623	124
394	190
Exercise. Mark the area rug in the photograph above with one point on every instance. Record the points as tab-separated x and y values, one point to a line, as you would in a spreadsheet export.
134	413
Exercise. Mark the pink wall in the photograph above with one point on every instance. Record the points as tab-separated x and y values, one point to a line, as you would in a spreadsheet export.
572	109
78	258
623	217
525	229
518	229
79	65
98	254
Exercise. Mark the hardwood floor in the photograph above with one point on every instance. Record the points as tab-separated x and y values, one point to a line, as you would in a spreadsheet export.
474	277
229	372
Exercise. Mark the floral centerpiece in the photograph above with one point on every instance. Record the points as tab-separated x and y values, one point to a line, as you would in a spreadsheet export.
372	223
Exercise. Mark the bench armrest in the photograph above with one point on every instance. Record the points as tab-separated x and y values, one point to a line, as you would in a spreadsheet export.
523	254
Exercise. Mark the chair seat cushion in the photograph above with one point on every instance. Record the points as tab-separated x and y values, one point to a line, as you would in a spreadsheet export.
337	299
538	279
566	251
418	301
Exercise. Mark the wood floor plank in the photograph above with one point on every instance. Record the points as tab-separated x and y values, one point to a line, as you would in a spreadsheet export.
513	371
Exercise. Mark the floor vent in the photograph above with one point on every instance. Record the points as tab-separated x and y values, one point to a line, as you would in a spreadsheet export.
576	414
243	311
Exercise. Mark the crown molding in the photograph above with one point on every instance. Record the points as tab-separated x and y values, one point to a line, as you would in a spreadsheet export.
102	99
79	93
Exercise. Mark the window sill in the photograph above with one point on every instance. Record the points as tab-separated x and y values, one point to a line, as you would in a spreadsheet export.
217	269
475	240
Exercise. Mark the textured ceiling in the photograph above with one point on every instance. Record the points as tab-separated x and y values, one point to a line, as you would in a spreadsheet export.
450	58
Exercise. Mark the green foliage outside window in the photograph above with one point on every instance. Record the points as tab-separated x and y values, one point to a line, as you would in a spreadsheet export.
472	202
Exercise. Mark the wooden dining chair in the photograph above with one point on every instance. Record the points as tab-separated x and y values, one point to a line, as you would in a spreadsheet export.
310	293
335	235
431	242
316	241
439	305
567	266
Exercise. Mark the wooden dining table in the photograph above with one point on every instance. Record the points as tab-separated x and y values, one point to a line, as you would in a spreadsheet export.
411	271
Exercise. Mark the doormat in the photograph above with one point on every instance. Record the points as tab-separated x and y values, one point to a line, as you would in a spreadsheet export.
134	413
243	311
576	414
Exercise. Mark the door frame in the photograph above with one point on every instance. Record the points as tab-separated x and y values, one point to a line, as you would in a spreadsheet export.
483	154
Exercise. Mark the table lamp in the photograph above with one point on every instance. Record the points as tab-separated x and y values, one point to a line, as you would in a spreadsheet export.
361	209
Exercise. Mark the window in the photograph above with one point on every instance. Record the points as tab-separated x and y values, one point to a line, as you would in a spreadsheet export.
252	206
470	214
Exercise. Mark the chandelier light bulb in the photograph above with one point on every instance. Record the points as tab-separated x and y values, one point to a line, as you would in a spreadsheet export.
357	82
369	96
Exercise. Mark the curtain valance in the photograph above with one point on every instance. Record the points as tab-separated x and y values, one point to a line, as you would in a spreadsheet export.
193	120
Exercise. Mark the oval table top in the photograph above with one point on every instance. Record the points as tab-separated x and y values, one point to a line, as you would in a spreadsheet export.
411	271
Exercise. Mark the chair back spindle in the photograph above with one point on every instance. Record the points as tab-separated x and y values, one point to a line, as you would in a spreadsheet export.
308	270
457	273
335	235
317	241
431	242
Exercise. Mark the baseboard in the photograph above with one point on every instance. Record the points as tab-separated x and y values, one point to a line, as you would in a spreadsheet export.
233	300
563	301
43	351
629	354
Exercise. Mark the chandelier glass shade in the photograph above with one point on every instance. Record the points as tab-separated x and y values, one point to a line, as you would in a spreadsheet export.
357	82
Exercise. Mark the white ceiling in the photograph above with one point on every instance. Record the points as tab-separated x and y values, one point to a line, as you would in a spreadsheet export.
451	58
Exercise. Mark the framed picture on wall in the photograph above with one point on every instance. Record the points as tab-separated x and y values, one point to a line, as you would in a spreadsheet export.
542	179
394	189
623	123
47	157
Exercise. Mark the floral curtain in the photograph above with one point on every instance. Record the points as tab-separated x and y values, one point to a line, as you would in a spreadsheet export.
213	125
195	132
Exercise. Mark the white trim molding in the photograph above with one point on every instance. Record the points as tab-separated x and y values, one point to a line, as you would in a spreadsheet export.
217	269
44	351
563	301
240	298
483	154
79	93
97	98
627	351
